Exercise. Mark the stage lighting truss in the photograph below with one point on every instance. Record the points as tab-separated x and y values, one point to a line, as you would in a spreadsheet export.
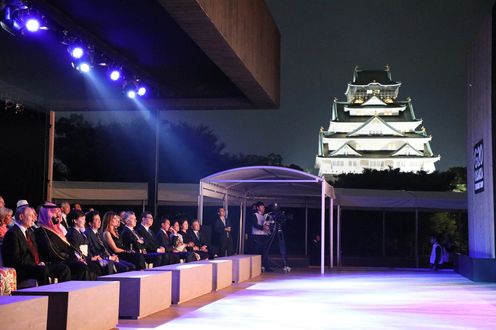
17	18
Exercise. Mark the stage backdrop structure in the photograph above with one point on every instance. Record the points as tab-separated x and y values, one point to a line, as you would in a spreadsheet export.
191	54
271	184
480	264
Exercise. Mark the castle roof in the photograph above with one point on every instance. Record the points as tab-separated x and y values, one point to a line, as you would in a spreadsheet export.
365	77
344	116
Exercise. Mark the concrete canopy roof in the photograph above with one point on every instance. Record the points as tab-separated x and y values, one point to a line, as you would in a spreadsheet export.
192	54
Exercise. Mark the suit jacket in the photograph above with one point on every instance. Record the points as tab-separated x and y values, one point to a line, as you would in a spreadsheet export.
128	238
163	239
148	236
15	250
96	247
220	235
76	238
197	240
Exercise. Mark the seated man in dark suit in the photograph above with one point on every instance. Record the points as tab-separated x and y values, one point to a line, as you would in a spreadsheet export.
132	241
20	251
96	246
162	237
144	230
199	246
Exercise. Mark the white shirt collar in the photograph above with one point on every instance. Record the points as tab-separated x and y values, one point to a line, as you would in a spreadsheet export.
146	227
23	229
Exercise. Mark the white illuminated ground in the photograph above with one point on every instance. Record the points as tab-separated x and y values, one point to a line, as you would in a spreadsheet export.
345	300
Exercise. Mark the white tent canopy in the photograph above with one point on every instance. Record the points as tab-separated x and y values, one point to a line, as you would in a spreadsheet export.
288	187
120	193
270	184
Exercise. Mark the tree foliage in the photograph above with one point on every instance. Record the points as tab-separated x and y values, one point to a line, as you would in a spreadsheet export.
119	151
396	180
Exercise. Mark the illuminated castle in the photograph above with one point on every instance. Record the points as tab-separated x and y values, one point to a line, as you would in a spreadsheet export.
372	129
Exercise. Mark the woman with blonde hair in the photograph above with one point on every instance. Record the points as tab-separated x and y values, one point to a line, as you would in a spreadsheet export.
5	221
111	237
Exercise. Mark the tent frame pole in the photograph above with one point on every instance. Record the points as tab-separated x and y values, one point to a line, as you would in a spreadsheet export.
338	252
331	232
416	237
306	227
322	228
200	204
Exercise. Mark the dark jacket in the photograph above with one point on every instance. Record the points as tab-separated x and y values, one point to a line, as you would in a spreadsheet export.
96	247
219	233
131	238
197	240
163	239
76	238
148	236
15	250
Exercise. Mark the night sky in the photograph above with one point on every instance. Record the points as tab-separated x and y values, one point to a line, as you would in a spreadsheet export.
424	43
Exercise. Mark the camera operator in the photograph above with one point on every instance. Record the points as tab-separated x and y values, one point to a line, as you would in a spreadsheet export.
260	235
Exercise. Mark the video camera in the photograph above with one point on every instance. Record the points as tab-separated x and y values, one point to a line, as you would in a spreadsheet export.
276	215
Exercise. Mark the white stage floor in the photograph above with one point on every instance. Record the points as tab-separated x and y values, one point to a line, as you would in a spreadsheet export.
340	300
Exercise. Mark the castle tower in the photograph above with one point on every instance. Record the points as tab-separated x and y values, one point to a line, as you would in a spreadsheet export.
372	129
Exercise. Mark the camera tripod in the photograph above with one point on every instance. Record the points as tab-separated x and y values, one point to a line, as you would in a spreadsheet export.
277	231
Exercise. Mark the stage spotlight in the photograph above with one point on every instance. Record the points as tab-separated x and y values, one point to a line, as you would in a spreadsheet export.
115	74
32	25
76	51
131	94
16	18
141	91
83	67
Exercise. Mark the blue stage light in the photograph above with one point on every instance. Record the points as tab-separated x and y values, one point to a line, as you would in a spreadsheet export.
16	18
131	94
84	67
115	74
32	25
142	91
76	51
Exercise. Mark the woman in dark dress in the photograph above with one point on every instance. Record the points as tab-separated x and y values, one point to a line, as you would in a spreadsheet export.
111	237
55	248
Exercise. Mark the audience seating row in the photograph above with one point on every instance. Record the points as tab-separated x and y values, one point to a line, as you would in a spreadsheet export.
99	304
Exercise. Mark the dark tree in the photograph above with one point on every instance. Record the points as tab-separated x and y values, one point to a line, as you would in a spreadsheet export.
122	152
396	180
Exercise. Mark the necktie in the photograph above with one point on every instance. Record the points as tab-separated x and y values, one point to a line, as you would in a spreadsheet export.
100	242
32	247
